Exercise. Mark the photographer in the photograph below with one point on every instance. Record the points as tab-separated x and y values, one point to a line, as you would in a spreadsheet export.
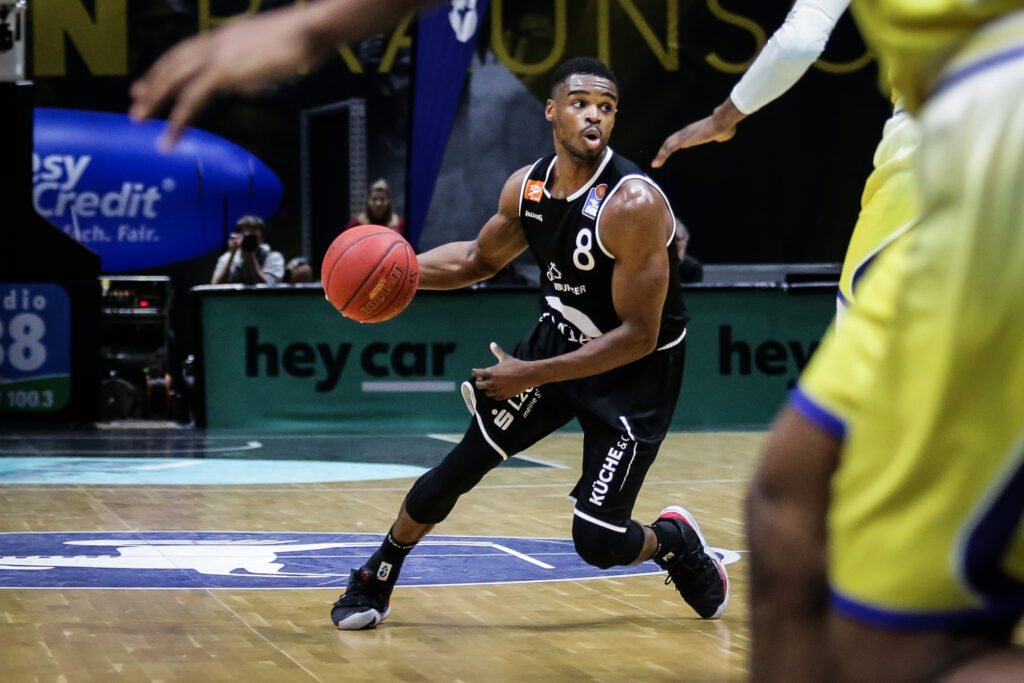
248	260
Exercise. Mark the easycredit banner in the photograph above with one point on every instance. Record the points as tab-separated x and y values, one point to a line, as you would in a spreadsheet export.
101	178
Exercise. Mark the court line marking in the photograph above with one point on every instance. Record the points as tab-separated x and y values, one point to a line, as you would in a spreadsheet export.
168	466
157	452
262	637
449	438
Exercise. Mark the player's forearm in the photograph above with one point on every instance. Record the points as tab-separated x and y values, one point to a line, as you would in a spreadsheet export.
726	115
332	22
452	265
616	348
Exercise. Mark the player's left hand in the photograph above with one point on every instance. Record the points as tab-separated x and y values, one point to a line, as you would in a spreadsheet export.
510	377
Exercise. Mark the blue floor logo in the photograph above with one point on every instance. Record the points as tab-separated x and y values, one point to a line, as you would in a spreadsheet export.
203	560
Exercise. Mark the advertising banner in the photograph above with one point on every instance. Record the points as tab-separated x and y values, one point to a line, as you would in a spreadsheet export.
285	358
102	179
35	348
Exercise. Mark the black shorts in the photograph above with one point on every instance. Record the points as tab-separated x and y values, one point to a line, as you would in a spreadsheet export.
624	413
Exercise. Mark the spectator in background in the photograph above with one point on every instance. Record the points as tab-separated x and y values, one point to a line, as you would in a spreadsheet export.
298	270
690	269
378	210
249	260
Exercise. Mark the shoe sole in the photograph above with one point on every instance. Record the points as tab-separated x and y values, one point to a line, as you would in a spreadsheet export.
677	511
362	621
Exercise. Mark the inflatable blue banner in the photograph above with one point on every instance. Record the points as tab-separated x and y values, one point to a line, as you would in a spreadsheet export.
101	178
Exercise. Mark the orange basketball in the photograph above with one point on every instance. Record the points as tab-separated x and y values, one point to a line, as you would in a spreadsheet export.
370	273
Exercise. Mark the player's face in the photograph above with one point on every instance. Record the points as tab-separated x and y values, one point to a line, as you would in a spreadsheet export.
583	114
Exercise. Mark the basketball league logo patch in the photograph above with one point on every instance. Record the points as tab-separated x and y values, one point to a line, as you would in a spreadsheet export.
534	190
594	199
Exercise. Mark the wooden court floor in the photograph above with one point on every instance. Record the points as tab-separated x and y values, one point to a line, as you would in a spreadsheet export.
630	628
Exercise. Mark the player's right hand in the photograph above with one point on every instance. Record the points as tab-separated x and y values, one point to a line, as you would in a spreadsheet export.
242	56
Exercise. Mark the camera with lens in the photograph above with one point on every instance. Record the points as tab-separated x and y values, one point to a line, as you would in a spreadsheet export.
250	242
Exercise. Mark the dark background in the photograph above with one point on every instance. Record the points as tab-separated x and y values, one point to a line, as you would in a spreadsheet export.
786	189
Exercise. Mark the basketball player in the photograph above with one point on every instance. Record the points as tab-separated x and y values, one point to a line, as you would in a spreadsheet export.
608	351
899	556
888	203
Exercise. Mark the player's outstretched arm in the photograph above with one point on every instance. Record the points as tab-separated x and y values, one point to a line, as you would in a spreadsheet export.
245	55
458	264
785	58
635	228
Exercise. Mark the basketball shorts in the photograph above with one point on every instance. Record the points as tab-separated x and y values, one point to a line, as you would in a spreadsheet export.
624	413
888	204
927	502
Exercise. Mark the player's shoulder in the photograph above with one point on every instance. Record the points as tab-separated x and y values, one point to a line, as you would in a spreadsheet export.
636	193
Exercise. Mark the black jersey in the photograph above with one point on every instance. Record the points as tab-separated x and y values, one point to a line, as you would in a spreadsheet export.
576	269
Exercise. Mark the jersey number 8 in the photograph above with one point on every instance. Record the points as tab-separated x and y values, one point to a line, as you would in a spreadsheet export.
582	257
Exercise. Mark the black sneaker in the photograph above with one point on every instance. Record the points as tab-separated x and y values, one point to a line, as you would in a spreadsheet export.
695	569
363	605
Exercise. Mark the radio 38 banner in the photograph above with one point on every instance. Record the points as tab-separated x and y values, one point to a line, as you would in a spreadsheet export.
35	348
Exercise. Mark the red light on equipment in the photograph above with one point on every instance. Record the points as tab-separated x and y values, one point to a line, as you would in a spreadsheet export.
144	303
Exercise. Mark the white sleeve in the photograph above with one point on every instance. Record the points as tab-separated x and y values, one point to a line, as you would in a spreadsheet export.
221	262
788	53
273	267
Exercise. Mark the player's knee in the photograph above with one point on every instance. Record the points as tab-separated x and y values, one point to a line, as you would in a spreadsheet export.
605	548
430	499
434	494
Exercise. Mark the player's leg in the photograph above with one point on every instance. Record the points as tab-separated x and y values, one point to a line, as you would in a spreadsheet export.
785	519
615	463
497	430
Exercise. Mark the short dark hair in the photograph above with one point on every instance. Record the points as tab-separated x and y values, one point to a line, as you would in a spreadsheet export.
591	66
249	221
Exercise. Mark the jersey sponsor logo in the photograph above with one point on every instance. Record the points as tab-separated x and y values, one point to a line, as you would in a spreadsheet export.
535	216
521	404
553	272
608	468
193	560
569	289
502	420
534	190
594	199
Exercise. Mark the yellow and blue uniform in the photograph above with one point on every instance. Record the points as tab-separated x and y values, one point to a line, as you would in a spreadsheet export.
925	523
888	203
